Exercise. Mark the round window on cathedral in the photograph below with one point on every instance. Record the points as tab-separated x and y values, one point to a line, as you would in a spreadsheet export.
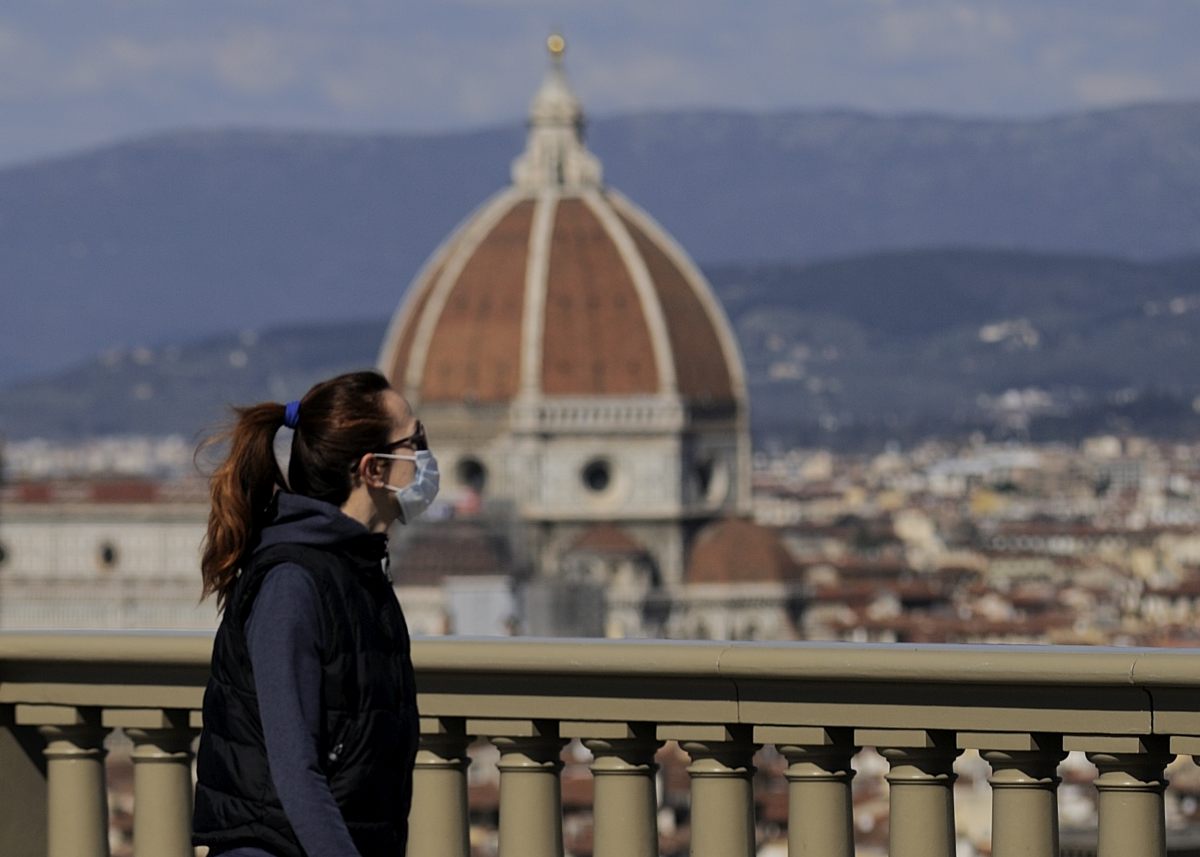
471	474
597	474
106	555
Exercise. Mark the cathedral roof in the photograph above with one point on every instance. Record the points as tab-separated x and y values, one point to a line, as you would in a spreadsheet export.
607	539
560	286
453	548
734	550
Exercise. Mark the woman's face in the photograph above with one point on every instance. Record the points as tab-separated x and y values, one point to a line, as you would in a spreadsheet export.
379	475
404	425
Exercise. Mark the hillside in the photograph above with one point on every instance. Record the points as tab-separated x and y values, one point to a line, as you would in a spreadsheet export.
908	345
854	352
175	237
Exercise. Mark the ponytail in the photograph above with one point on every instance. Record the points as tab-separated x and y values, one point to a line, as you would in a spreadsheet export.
335	423
241	489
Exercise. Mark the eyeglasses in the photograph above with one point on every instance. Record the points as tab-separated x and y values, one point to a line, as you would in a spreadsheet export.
416	440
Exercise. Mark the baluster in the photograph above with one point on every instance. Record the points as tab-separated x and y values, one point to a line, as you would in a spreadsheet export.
22	788
530	790
1024	792
625	804
1130	786
921	780
162	779
722	810
820	808
438	823
76	795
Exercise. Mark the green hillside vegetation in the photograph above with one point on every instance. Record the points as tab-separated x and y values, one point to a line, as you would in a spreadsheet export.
916	343
849	352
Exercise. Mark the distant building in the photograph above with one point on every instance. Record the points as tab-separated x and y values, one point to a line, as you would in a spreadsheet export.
102	553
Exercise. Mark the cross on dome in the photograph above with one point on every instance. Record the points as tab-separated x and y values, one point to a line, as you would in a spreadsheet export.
555	155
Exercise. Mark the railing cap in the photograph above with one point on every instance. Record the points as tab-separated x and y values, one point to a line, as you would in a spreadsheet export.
816	661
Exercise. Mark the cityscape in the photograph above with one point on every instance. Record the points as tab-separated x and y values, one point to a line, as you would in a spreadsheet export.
951	542
1092	544
814	481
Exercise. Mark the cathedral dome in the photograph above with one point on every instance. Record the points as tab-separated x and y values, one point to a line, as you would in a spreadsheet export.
560	287
736	550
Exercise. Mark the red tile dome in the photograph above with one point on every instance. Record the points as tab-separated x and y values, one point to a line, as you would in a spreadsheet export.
558	286
735	550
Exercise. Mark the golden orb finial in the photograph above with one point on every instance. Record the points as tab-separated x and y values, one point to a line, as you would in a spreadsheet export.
557	45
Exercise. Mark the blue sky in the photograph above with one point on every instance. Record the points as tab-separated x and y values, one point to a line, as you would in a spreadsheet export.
75	73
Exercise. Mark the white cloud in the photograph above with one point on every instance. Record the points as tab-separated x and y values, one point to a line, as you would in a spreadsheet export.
1107	88
22	58
421	80
256	61
657	79
248	62
949	29
378	63
115	62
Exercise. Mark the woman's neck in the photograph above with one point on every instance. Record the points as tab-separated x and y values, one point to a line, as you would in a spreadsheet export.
361	506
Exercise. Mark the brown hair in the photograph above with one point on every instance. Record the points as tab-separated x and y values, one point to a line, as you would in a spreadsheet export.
340	420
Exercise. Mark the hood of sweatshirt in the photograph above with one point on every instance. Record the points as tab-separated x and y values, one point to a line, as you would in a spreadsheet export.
300	520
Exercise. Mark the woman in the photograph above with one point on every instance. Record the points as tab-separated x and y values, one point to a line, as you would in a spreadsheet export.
310	716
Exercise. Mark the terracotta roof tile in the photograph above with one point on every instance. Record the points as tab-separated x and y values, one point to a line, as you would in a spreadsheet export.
475	350
700	368
605	538
448	549
738	551
596	340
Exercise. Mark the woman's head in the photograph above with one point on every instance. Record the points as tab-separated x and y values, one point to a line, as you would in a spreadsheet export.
338	426
340	420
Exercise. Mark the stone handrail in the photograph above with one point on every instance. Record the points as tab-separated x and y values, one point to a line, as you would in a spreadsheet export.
1021	707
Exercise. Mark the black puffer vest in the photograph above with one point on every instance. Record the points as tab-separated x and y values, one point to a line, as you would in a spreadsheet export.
370	723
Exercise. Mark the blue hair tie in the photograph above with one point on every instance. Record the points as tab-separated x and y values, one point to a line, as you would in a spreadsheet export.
291	414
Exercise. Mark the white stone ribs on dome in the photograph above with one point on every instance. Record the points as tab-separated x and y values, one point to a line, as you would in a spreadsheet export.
477	228
537	271
699	285
652	311
720	322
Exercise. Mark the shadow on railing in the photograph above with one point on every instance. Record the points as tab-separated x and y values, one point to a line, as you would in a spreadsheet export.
1131	710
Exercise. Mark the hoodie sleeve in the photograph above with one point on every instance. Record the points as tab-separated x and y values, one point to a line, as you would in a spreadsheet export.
285	637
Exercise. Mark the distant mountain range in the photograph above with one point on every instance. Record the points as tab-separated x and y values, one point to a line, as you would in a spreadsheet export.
172	238
849	353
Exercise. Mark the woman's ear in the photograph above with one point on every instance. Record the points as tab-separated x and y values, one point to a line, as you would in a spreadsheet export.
370	471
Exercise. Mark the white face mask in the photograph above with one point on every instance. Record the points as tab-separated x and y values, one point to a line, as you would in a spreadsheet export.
415	497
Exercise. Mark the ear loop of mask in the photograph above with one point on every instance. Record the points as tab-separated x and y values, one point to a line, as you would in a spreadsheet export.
392	457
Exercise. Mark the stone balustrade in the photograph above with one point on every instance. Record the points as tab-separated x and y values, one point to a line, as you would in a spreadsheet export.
1022	707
